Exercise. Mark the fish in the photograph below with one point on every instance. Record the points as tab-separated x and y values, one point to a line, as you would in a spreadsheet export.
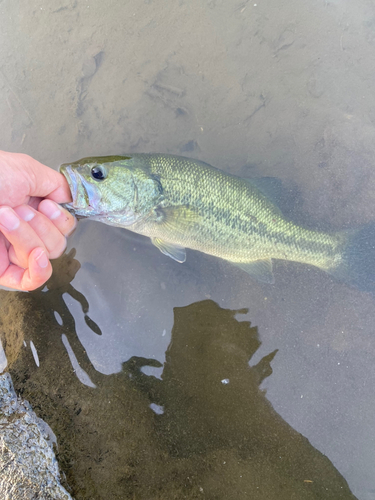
181	203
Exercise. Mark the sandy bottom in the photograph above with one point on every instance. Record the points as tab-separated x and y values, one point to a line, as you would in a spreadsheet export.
209	432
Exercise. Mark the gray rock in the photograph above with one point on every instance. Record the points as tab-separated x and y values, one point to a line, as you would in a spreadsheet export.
28	466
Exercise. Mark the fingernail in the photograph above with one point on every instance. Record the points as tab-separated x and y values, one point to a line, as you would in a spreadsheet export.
50	209
25	213
41	258
9	219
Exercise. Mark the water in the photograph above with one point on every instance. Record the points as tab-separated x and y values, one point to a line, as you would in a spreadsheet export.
254	88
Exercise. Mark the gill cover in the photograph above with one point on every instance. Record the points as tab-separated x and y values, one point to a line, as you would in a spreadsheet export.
113	190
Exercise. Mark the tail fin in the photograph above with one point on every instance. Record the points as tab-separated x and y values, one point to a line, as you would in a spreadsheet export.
358	263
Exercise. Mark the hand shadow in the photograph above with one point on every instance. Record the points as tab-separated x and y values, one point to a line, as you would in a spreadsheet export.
64	270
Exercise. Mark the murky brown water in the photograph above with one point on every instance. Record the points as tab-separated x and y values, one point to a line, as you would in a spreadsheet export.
255	88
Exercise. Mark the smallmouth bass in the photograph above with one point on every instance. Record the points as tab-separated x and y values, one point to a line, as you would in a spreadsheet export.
184	203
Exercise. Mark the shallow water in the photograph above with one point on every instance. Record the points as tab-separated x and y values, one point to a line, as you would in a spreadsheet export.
254	88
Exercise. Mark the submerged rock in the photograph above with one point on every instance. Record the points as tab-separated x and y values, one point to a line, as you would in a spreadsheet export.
28	466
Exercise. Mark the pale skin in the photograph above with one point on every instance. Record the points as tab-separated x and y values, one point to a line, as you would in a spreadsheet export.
33	227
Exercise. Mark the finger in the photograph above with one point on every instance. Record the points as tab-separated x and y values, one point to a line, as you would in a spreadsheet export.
53	240
21	236
24	177
45	182
38	271
4	258
34	202
62	219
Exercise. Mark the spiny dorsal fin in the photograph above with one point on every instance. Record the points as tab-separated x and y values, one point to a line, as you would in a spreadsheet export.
271	187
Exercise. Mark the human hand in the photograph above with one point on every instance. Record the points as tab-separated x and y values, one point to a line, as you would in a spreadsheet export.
33	229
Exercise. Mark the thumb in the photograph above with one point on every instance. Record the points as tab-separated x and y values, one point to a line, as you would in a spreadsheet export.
47	183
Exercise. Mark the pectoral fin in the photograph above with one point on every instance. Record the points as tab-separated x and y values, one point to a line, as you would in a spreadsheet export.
174	252
177	219
261	270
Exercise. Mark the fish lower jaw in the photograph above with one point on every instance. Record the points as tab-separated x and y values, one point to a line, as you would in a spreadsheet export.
80	212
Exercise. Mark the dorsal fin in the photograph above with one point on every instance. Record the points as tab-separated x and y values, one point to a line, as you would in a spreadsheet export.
271	187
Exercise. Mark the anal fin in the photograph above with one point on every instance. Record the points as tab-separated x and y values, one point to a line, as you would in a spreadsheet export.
173	251
261	270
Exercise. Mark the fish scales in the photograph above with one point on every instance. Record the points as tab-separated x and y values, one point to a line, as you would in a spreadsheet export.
236	221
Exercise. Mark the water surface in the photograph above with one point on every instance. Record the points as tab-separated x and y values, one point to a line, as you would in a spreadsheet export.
254	88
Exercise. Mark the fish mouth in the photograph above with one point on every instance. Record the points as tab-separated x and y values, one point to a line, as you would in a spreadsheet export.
69	207
70	176
83	194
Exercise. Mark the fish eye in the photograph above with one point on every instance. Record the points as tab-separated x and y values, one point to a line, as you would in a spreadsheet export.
98	173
